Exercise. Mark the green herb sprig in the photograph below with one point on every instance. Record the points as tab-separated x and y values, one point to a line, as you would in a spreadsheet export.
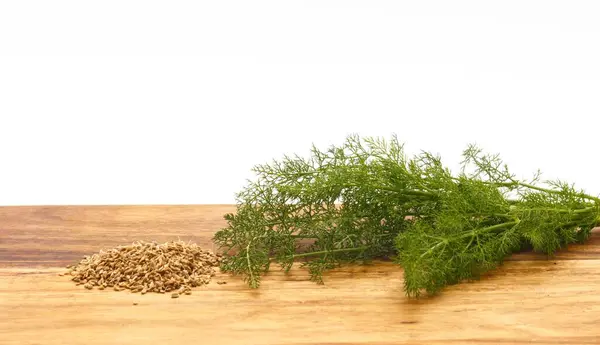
365	200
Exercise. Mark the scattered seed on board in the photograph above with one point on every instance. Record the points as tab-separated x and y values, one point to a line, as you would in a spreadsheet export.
144	267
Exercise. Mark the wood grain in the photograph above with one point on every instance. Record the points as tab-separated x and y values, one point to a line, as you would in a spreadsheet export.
530	300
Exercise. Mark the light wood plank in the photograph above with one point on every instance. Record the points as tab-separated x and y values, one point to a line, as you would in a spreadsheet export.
530	300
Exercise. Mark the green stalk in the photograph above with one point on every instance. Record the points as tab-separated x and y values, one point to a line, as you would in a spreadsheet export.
541	189
470	233
399	190
304	236
342	250
559	210
493	228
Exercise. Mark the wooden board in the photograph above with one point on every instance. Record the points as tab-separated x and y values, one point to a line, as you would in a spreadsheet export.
530	300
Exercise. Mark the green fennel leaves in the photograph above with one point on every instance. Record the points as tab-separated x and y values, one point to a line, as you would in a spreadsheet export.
365	200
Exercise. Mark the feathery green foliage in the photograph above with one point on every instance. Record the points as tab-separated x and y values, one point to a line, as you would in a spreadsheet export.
365	199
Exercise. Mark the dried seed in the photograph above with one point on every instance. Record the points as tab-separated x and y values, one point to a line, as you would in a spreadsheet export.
174	295
147	267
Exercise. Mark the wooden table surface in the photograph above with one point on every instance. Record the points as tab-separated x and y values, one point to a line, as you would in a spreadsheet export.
530	300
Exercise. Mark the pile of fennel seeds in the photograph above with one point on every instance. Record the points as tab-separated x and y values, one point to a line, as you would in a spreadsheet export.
172	267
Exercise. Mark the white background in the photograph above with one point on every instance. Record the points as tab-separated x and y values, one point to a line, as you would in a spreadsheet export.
172	102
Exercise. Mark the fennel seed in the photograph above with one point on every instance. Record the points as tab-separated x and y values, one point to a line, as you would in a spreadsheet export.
144	267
